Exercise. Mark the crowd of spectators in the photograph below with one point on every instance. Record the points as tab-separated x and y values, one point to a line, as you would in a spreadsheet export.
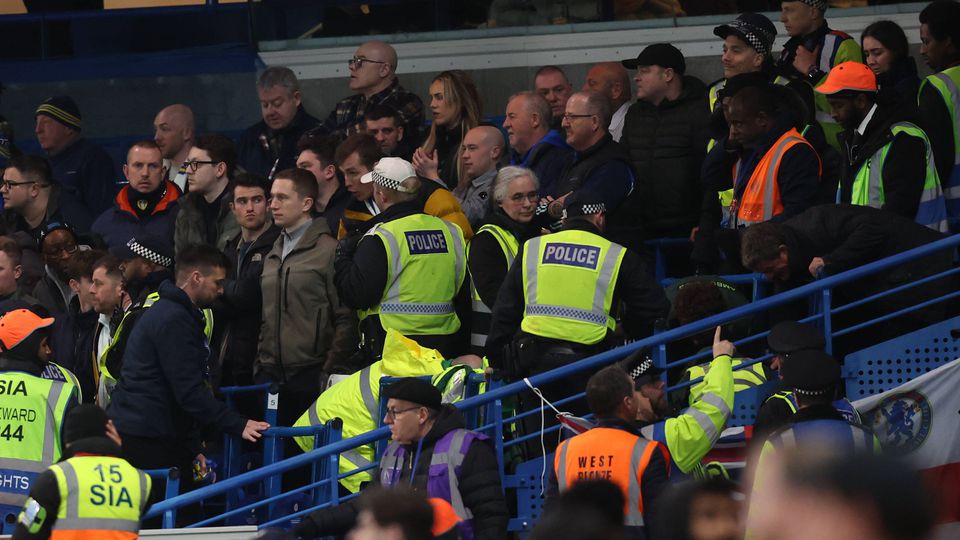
292	254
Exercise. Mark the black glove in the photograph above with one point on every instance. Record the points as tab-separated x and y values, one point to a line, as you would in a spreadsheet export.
348	246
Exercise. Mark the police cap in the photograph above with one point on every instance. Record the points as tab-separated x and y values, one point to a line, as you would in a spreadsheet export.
583	202
789	337
639	366
811	372
416	391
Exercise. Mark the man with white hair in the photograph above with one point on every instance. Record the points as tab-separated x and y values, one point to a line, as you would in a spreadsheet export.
373	78
407	272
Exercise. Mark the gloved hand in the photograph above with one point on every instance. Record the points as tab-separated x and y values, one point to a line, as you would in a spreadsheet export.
348	246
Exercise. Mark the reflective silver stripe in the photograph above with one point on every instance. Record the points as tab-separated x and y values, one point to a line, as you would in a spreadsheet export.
478	305
788	439
562	466
408	308
23	465
458	253
825	118
50	424
73	490
566	312
353	456
366	392
955	97
314	418
874	167
634	517
393	292
478	340
144	492
706	424
749	383
12	499
771	179
952	193
606	275
389	460
711	398
92	524
826	51
453	458
530	264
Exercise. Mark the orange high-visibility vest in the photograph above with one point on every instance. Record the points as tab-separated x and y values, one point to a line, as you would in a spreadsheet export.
609	454
761	199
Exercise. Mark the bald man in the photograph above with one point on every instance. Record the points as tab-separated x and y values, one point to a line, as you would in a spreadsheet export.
482	149
612	80
374	80
173	133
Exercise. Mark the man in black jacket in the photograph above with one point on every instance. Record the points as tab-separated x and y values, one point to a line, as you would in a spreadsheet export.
829	239
665	133
242	302
420	428
163	397
270	145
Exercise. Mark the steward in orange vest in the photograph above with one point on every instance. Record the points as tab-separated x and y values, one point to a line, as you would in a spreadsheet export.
615	451
774	171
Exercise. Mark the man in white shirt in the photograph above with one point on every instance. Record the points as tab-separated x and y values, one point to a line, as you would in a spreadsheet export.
612	80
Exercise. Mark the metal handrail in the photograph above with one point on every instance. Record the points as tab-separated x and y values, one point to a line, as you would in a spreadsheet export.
822	285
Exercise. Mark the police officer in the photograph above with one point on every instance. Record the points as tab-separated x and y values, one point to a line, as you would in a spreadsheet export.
407	272
94	493
564	294
784	340
813	376
33	408
691	434
615	451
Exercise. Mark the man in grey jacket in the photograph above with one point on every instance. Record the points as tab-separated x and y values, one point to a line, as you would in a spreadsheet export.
305	329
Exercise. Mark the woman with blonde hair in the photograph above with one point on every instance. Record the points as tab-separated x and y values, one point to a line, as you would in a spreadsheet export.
455	109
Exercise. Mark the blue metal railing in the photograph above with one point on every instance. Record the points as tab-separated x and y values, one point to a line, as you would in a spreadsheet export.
495	394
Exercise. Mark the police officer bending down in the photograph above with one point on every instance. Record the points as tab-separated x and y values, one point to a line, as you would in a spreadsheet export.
615	451
31	408
93	494
407	272
563	293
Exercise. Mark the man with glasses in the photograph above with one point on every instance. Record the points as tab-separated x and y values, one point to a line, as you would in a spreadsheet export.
148	204
58	244
600	165
374	79
425	432
205	216
31	198
271	144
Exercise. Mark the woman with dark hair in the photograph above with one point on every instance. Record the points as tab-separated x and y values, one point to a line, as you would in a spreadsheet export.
887	53
455	108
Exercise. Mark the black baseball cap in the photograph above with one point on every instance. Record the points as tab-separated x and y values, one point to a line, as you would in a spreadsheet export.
664	55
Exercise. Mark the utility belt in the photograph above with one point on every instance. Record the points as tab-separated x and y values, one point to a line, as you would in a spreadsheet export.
528	354
372	337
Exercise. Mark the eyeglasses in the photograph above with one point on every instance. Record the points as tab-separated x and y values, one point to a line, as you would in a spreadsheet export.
358	62
10	185
568	117
194	165
532	196
392	413
55	250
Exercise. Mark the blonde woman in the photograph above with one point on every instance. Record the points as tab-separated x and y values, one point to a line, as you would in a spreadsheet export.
455	110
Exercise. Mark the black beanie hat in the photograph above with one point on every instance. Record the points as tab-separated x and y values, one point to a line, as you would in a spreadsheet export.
84	422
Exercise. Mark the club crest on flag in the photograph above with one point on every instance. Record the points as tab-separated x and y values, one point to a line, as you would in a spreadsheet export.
902	422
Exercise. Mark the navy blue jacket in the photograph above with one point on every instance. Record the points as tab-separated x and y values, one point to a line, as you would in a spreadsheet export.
163	391
260	147
86	172
119	224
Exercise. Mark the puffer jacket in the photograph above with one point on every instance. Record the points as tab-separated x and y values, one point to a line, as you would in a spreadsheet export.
304	323
191	226
667	144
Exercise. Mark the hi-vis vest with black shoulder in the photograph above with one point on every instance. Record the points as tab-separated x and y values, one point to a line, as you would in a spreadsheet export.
33	412
426	266
947	83
568	283
760	200
867	189
609	454
480	325
101	498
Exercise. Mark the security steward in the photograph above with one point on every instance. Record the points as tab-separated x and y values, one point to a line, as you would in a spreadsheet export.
94	493
688	436
32	408
561	299
615	451
786	339
407	271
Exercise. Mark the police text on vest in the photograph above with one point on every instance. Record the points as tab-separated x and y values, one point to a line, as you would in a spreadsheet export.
571	255
426	242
